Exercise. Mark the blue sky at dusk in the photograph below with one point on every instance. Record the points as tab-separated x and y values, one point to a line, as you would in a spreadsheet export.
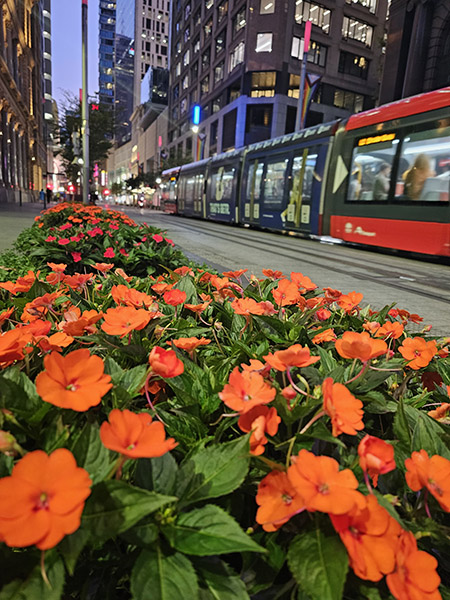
66	47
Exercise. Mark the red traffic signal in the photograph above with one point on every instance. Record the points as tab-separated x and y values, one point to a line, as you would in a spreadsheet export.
106	192
94	106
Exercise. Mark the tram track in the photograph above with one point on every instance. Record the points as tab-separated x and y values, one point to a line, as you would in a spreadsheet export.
379	275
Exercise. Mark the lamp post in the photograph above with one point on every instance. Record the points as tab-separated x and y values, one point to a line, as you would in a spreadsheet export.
299	124
84	101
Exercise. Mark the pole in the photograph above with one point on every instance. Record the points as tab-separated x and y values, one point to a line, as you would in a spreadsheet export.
299	120
84	102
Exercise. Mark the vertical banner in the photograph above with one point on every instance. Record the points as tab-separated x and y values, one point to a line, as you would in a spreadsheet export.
311	84
200	147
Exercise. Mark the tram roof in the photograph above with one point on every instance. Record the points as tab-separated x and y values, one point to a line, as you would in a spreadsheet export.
401	108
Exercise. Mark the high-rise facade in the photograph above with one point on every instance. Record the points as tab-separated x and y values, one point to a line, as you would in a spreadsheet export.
418	48
106	48
240	61
23	161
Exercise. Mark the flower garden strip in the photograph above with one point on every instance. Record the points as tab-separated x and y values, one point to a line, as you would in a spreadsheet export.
169	434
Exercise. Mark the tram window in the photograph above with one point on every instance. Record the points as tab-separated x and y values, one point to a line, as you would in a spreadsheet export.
222	184
254	179
189	189
274	184
424	169
371	169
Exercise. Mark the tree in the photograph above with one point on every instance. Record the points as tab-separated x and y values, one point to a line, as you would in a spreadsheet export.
101	131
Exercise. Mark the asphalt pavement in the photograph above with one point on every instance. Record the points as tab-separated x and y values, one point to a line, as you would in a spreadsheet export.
14	219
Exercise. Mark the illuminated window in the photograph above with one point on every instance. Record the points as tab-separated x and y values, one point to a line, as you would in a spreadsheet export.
357	30
263	84
185	82
352	64
317	54
196	45
186	58
206	58
183	106
239	22
204	86
264	42
348	100
237	56
370	4
317	14
266	7
222	11
218	72
207	27
221	41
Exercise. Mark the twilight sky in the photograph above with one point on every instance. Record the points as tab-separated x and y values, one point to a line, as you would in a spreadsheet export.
66	47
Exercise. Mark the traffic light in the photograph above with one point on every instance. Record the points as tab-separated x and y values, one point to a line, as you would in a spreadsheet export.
94	106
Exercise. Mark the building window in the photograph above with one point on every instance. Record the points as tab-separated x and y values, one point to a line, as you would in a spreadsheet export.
186	35
185	82
183	106
317	54
317	14
207	28
264	42
194	73
221	41
206	59
193	97
197	18
204	86
237	56
266	7
178	47
239	22
222	11
216	104
187	12
357	30
178	69
196	45
370	4
352	64
208	4
263	84
186	58
348	100
218	72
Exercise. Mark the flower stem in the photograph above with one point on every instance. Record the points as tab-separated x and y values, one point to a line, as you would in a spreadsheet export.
43	571
364	367
318	416
367	481
147	395
291	381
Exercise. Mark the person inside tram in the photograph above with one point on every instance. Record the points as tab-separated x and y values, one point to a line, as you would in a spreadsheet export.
416	176
355	183
382	182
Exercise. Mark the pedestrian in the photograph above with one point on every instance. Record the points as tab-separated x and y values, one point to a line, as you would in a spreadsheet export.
41	196
49	195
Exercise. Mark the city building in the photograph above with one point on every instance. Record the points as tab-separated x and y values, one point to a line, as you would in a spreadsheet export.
418	48
50	110
240	61
23	156
107	30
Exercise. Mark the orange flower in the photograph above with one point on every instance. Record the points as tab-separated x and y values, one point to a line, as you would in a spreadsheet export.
360	345
23	284
272	274
376	457
121	273
370	535
235	274
42	500
79	281
135	435
11	347
57	342
198	308
103	267
122	294
259	420
342	407
165	362
174	297
295	356
322	486
418	352
246	390
415	576
325	336
286	293
76	324
303	283
441	413
277	500
4	316
371	326
125	319
350	301
247	306
57	267
432	473
75	381
190	343
390	331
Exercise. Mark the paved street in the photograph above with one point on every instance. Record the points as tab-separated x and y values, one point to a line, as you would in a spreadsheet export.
14	219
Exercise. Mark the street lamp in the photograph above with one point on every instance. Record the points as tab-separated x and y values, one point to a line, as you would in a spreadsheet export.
196	115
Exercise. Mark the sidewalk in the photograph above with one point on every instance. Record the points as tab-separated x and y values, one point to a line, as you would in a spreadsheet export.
14	219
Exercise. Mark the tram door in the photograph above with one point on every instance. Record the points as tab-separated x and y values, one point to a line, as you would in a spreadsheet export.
253	192
303	180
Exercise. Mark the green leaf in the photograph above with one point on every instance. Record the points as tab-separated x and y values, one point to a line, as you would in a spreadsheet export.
132	380
157	474
426	436
156	576
319	563
115	506
185	284
214	471
143	535
34	587
218	581
326	360
401	426
18	394
208	531
91	454
71	546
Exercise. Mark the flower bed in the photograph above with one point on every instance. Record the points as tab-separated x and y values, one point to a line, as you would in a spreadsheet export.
174	436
